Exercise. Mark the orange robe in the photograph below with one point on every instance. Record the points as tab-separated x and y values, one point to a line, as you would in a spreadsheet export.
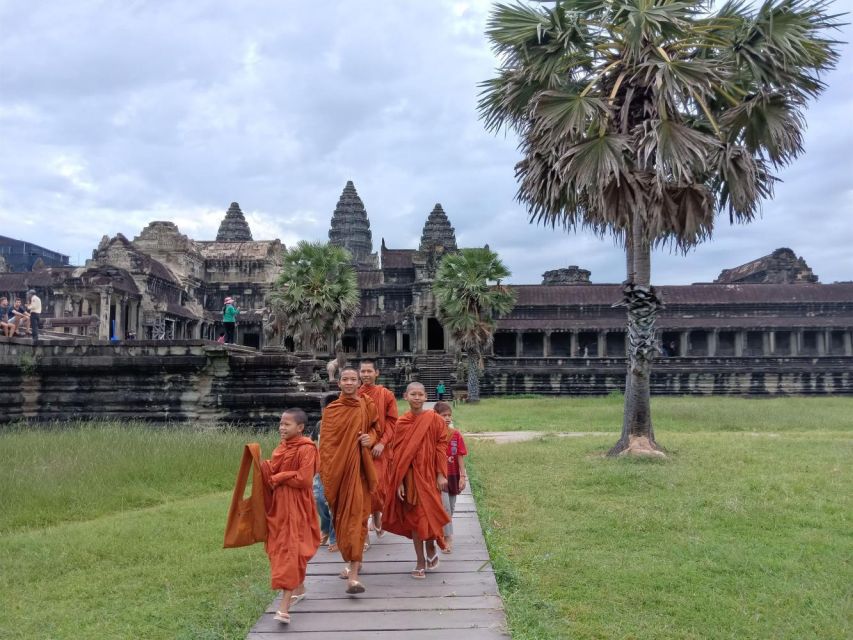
293	531
386	407
347	471
420	454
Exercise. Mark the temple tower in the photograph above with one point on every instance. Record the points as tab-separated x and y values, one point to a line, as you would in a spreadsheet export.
351	228
234	227
438	232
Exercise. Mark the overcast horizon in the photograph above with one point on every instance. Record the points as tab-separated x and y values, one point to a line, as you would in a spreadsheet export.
113	115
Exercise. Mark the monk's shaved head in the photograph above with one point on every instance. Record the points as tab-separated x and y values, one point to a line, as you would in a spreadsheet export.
415	385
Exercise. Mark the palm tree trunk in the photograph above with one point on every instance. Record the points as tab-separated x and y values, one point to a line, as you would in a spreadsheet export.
473	375
643	303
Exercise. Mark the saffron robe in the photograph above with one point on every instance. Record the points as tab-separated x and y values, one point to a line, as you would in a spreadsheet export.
386	407
347	471
420	454
293	531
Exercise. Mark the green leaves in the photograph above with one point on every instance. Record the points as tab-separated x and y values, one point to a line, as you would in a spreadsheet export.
316	294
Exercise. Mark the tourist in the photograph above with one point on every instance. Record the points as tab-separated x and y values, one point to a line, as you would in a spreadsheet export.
456	476
414	509
347	435
21	318
229	320
292	532
386	407
34	307
7	324
440	390
327	525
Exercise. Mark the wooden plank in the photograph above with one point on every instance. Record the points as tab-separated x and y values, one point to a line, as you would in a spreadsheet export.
399	621
388	585
430	634
403	566
387	552
410	603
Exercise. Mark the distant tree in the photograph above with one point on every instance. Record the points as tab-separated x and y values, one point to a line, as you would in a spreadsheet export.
470	299
643	119
316	294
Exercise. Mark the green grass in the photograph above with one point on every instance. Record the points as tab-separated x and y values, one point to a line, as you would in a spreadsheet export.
670	414
115	531
736	535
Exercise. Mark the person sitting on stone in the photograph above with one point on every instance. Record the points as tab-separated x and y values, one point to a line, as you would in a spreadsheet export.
21	318
6	318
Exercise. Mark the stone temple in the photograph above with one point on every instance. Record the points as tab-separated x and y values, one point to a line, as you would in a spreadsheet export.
768	326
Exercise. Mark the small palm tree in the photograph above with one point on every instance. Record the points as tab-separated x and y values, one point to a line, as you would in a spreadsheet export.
643	119
316	294
470	299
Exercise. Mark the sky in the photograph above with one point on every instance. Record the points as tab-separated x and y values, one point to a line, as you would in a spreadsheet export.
115	114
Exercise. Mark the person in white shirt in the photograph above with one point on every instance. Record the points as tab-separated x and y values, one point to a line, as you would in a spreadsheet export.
34	307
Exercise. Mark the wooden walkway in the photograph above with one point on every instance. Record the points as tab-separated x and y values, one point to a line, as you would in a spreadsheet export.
459	600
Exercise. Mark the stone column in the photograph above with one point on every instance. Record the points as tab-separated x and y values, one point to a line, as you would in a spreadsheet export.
132	312
822	346
119	332
771	343
424	339
359	344
58	307
684	344
546	344
399	339
740	338
519	344
827	337
601	345
848	343
796	342
104	317
713	337
765	343
573	344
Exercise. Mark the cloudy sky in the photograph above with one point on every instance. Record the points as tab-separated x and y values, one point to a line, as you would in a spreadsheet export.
113	114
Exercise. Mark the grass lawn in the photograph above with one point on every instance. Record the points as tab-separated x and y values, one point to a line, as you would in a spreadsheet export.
116	532
744	532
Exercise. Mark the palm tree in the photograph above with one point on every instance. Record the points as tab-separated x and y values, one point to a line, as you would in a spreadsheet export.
316	294
470	299
643	119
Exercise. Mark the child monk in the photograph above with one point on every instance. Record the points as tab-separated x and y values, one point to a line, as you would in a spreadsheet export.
293	533
347	434
386	406
419	474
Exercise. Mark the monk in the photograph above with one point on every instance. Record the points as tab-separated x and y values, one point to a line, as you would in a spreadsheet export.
347	434
293	532
386	406
419	474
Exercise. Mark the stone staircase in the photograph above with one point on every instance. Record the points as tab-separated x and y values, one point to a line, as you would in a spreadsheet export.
431	368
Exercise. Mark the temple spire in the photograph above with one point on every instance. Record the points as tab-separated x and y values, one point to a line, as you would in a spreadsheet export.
438	232
350	226
234	227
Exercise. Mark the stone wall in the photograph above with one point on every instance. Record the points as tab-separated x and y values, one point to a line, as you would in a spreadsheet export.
157	381
672	376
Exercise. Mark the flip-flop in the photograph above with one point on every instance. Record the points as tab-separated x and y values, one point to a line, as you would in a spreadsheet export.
355	587
282	617
449	549
333	547
419	574
433	562
380	533
344	575
296	599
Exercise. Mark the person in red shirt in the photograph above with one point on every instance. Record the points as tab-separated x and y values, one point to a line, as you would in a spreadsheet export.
456	476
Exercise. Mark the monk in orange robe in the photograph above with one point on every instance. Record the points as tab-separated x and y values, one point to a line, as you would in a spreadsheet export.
293	532
419	473
386	407
347	434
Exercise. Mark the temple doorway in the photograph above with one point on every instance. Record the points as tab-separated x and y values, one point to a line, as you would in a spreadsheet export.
435	335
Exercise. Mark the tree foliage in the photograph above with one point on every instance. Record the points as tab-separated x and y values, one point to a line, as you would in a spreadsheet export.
470	299
316	294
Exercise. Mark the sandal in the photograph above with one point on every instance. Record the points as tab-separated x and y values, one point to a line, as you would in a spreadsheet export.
324	538
355	587
448	549
282	617
419	574
344	575
333	547
432	563
296	599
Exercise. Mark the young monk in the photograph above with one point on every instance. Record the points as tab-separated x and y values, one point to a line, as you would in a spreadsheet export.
293	534
386	406
419	474
347	434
